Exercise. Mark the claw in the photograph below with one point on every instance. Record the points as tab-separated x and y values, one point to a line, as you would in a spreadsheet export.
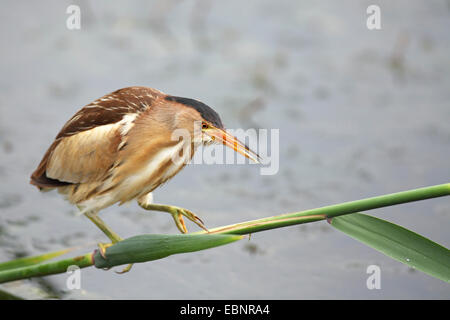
178	214
102	248
125	270
179	221
196	220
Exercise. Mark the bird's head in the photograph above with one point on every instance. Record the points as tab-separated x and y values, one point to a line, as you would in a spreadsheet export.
211	128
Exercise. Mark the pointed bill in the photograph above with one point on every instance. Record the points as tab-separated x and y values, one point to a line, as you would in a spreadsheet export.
232	142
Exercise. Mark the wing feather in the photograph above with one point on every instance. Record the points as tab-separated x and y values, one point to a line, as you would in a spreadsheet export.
86	156
87	146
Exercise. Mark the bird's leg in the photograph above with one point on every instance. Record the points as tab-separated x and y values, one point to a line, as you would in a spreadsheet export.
177	214
114	237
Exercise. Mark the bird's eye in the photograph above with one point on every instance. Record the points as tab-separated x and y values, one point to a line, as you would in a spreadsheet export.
204	125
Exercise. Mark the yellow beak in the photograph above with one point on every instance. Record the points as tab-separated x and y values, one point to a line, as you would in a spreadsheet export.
232	142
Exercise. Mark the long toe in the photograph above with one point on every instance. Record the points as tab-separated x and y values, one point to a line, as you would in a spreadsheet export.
179	221
177	214
126	269
102	248
194	218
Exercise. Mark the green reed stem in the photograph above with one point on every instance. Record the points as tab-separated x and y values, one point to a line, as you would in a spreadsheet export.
46	269
331	211
248	227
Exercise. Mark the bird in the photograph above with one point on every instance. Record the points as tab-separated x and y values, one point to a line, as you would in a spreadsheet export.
121	147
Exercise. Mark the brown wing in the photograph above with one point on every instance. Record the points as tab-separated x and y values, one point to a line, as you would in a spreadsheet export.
86	147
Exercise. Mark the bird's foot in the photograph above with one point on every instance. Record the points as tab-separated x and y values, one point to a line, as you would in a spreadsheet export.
178	213
114	237
102	250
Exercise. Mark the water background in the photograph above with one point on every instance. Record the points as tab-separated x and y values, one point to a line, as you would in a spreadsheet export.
360	113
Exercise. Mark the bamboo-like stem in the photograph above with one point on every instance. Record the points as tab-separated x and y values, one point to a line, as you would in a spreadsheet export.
248	227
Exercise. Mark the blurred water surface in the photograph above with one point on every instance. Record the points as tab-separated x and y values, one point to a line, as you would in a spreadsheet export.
360	113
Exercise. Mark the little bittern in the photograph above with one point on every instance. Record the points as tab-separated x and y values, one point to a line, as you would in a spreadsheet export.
120	147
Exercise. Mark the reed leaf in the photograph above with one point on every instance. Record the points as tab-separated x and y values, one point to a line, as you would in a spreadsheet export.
28	261
397	242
